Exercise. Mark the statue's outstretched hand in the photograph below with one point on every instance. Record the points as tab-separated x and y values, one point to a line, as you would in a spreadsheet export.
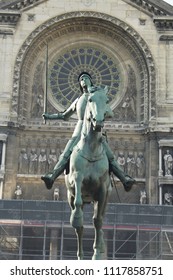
45	116
58	116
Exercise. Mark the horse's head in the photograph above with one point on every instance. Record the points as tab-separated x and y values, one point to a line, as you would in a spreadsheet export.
98	108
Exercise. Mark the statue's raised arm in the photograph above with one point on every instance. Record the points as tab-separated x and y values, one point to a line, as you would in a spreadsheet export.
63	115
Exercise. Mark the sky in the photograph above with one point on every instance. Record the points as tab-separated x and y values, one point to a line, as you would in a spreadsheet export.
169	2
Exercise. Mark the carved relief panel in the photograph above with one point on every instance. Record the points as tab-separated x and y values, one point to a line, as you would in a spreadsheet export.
37	156
131	157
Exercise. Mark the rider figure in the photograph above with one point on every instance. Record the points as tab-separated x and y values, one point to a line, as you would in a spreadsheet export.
79	106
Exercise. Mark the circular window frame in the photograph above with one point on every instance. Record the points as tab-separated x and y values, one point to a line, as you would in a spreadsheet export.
96	46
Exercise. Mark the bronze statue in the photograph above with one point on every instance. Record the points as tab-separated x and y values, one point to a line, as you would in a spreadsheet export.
79	106
91	161
89	179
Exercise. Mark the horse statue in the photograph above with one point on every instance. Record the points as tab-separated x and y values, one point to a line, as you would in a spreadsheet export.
88	179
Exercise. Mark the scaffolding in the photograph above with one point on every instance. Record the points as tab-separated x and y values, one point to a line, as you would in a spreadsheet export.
40	230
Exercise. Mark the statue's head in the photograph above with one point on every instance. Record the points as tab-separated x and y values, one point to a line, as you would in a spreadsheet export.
82	76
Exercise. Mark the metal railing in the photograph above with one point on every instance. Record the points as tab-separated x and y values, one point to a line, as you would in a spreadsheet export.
41	230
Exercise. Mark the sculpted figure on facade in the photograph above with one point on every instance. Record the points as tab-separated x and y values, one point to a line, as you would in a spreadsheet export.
18	192
143	197
33	162
42	162
126	111
168	163
52	159
121	160
131	165
168	198
38	108
128	107
56	194
37	91
23	162
140	165
78	106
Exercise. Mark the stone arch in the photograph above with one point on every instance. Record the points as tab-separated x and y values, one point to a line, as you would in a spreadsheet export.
87	23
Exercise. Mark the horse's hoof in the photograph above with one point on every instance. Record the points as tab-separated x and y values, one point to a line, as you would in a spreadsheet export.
97	256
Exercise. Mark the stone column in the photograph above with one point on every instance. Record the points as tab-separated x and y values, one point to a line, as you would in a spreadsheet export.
160	195
3	138
53	244
152	170
1	188
160	162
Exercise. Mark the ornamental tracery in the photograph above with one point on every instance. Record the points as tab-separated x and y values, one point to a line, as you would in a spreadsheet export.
67	66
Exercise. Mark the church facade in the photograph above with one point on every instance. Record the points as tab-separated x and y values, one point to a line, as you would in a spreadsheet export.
126	45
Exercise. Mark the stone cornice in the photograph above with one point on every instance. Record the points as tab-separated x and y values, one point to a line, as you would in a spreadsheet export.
9	17
22	4
163	23
152	7
10	13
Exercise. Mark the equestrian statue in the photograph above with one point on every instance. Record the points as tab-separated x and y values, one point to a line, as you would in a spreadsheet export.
88	160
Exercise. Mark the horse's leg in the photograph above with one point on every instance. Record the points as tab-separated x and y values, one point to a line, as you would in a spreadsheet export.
99	245
76	218
79	230
79	233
